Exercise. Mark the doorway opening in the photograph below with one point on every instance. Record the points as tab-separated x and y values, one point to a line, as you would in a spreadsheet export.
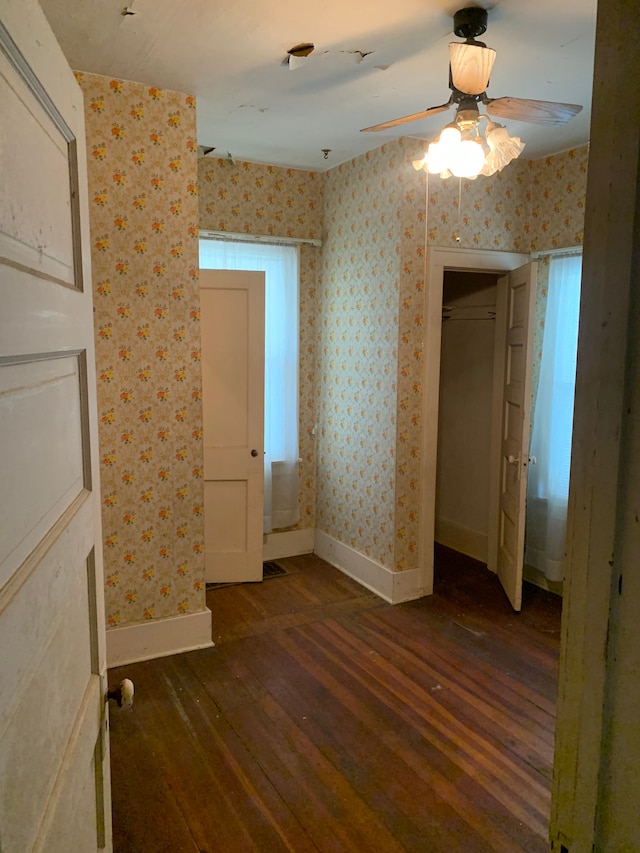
478	370
441	261
280	264
465	412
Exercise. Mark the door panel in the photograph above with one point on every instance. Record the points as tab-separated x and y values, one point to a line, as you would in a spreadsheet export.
38	230
232	322
519	294
34	393
54	784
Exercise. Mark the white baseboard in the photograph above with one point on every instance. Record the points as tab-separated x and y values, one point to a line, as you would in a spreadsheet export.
394	587
470	542
159	638
289	543
538	578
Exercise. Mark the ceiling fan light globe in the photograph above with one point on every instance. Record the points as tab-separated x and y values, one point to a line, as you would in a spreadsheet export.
450	138
496	135
436	158
490	166
503	148
468	160
500	157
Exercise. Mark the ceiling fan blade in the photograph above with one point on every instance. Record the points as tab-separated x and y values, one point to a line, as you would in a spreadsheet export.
549	113
471	66
406	119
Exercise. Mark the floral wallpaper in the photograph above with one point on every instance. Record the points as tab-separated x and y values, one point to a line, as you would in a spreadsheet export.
362	302
532	205
555	192
254	198
370	351
358	339
375	219
143	192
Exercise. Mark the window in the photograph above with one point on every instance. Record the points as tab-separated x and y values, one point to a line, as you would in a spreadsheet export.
280	265
548	484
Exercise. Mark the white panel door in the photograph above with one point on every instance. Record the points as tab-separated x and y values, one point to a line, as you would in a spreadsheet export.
54	780
232	323
515	419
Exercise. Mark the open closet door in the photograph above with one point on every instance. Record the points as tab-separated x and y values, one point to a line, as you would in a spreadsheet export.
517	292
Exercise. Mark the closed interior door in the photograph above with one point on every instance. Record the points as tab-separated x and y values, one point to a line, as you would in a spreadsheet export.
232	322
519	292
54	780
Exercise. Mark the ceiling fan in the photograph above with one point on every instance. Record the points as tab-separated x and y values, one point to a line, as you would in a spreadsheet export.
470	64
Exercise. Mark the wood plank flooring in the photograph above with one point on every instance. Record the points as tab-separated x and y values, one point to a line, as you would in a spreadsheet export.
325	719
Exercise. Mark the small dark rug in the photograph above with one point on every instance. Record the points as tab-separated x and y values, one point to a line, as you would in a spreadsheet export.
270	569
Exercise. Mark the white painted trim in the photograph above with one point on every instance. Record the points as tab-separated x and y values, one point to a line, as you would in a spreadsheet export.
437	261
550	253
499	366
473	543
393	587
288	543
159	638
538	578
405	586
243	237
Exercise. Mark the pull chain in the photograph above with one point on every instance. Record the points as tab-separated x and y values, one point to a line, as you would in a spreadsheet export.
426	213
457	236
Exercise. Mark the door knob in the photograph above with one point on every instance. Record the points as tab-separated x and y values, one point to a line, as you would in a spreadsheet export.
254	452
513	460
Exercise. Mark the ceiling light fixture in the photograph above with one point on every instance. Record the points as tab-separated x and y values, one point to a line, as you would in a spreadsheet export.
462	151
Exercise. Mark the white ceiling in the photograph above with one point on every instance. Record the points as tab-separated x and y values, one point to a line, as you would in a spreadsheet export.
230	53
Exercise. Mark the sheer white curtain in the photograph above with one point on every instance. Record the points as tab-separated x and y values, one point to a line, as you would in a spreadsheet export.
280	265
548	485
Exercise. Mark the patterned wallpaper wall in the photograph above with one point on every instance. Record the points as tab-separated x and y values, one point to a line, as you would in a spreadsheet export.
528	206
254	198
361	326
358	341
143	192
555	191
532	205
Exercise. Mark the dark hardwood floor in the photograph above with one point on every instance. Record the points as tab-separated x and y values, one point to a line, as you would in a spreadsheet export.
325	719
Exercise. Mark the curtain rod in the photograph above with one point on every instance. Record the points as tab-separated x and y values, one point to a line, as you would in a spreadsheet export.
568	251
258	238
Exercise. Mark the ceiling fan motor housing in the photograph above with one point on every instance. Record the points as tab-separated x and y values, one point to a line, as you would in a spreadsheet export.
471	22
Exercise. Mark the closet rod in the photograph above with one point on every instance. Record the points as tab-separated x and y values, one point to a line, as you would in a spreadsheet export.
461	319
468	312
491	307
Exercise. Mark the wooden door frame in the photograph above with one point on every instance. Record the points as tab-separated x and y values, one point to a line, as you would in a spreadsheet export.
437	261
595	785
